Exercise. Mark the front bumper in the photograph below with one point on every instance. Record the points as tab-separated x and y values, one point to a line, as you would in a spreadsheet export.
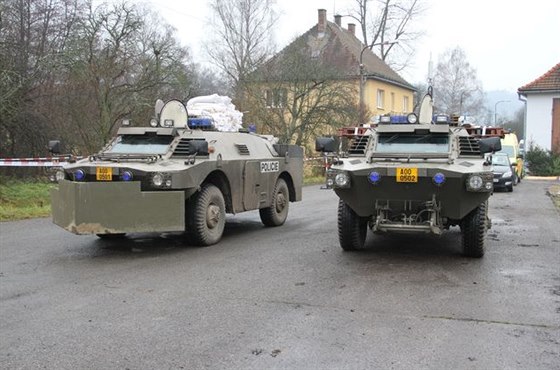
119	207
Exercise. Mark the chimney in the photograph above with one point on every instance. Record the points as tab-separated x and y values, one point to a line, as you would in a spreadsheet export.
338	20
352	28
322	24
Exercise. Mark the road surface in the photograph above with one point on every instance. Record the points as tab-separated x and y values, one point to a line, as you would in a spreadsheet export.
286	297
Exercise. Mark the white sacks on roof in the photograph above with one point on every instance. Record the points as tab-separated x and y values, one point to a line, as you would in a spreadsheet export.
219	108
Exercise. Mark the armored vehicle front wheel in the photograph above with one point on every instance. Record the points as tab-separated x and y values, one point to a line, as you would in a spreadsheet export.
352	229
473	229
206	216
276	214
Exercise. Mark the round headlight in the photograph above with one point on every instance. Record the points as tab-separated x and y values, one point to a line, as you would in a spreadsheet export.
330	182
59	176
412	118
475	182
342	179
439	178
374	177
489	186
158	179
79	175
153	122
126	176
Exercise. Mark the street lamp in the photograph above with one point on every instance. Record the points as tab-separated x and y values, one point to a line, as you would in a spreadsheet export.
363	75
495	112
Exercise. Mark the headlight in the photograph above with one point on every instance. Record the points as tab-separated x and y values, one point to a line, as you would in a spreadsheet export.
161	180
412	118
59	176
474	182
342	180
158	179
153	122
507	174
480	182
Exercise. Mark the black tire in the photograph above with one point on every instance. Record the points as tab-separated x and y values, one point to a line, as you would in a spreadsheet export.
515	179
111	236
276	214
206	216
473	230
352	229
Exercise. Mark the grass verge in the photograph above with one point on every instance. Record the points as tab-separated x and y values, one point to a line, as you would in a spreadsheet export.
24	199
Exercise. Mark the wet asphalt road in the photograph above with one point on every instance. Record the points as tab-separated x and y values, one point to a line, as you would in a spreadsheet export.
286	297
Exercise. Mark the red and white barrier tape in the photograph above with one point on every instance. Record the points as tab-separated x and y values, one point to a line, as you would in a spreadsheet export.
35	162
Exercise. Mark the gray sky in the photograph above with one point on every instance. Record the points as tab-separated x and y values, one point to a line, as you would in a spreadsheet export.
509	42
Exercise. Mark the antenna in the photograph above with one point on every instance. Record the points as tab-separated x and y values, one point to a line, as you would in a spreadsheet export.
430	70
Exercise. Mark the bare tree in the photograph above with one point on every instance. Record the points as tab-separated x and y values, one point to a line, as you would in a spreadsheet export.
457	89
242	37
388	28
33	35
296	98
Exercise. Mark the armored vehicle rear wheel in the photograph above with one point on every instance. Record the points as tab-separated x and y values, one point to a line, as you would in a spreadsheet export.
352	229
206	216
473	229
276	214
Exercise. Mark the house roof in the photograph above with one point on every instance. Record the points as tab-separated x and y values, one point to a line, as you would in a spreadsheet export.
549	82
341	49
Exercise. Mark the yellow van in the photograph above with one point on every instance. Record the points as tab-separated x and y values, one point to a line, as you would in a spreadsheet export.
510	145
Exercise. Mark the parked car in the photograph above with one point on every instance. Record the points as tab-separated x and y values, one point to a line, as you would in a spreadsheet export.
504	175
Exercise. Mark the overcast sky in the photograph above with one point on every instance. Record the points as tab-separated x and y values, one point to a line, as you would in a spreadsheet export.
509	42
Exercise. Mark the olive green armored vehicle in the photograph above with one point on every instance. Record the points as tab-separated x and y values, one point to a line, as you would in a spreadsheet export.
178	174
416	174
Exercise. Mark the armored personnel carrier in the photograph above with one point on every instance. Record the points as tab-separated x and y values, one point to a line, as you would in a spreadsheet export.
177	174
418	173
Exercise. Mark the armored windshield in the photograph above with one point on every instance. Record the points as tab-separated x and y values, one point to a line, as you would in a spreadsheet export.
412	143
140	144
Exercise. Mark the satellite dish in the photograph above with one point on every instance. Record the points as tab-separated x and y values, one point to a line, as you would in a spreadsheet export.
426	110
174	114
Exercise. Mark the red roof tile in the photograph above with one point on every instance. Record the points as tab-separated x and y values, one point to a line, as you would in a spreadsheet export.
550	81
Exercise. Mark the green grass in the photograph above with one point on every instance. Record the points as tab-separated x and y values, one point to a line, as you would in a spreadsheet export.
24	199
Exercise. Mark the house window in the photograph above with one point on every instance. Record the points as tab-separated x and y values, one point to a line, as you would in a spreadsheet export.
405	104
380	99
276	98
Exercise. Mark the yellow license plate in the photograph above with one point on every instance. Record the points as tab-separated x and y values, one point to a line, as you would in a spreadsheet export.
104	174
407	174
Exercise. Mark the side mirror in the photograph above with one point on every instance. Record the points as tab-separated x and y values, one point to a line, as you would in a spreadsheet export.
54	146
199	146
325	144
490	145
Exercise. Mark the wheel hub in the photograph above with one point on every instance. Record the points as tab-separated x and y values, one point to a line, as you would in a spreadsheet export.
212	216
280	202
